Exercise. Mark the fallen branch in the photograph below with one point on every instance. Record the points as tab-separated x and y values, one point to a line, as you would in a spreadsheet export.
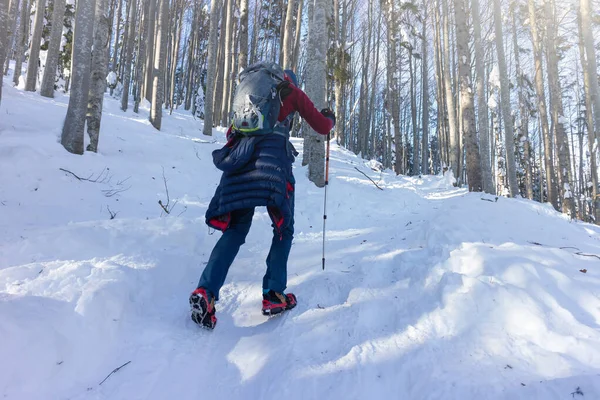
103	174
102	177
376	185
579	253
490	200
66	170
113	371
587	255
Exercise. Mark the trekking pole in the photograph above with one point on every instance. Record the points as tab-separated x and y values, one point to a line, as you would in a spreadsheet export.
325	200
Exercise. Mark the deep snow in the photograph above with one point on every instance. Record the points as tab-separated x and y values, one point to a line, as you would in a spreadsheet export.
428	292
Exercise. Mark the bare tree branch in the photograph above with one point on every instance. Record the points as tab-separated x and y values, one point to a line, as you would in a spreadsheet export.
101	178
113	371
378	187
184	210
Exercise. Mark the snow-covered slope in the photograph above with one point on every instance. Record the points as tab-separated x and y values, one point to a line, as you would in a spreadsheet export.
429	292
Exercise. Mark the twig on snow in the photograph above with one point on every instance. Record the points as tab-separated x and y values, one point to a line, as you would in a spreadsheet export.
112	214
376	185
118	188
113	371
66	170
101	178
114	191
166	208
490	200
184	210
579	253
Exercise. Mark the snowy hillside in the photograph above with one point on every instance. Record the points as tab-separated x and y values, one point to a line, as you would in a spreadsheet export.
429	292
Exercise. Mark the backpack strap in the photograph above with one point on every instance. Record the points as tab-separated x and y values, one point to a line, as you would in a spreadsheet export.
282	124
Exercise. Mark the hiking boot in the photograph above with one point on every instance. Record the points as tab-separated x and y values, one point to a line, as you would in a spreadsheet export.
203	308
274	303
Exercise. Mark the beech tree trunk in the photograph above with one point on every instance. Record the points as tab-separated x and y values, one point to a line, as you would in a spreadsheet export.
21	41
589	105
160	59
316	84
113	66
288	36
11	28
34	46
467	106
73	129
211	67
454	141
416	164
511	168
557	114
140	60
175	56
228	55
129	54
542	110
243	57
58	14
218	99
482	111
99	72
523	119
592	65
425	93
3	37
150	40
297	38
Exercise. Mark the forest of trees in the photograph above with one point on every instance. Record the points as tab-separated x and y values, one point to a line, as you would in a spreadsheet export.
503	94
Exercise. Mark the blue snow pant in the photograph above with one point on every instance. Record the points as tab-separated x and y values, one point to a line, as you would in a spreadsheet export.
229	244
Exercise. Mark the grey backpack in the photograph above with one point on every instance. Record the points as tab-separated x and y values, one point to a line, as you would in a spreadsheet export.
257	101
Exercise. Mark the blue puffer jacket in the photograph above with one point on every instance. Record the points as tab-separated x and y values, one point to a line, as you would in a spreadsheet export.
257	171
